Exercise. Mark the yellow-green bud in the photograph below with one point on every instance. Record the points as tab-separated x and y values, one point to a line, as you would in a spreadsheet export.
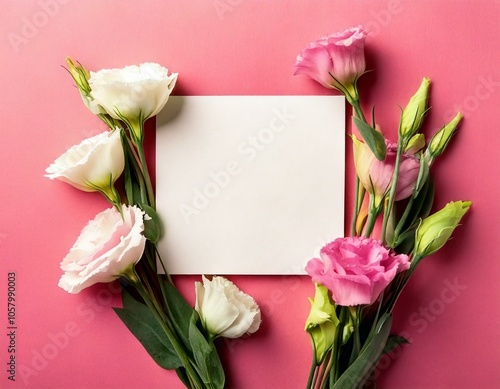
415	144
440	140
322	322
413	114
435	230
81	77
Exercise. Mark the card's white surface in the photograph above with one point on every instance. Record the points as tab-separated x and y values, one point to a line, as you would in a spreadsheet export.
249	184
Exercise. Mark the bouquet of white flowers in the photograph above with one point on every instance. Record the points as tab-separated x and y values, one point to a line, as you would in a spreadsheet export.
120	242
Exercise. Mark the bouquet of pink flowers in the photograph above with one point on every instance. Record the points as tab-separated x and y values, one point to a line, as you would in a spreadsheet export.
120	242
359	278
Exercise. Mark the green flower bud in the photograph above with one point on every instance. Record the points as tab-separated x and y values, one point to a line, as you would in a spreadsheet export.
440	140
413	114
81	77
322	322
415	144
435	230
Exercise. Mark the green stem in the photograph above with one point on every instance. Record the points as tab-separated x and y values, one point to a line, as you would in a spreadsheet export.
357	108
356	336
392	193
112	196
401	222
167	274
313	374
335	369
325	371
145	173
373	212
194	379
133	159
356	105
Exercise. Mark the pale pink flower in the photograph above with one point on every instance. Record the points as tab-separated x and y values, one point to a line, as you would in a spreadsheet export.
335	61
376	176
356	269
107	248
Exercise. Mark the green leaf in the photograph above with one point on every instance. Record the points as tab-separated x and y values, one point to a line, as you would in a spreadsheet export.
406	241
393	341
146	328
359	371
179	311
420	206
129	190
185	319
428	201
152	227
374	139
205	354
130	301
181	373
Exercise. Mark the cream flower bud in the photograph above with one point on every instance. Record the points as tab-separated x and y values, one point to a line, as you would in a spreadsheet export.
224	309
435	230
322	322
93	165
414	112
440	140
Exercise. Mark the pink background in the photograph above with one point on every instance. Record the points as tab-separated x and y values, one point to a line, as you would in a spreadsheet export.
245	47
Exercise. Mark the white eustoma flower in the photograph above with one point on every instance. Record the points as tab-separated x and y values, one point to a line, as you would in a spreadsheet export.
133	93
93	165
107	248
224	309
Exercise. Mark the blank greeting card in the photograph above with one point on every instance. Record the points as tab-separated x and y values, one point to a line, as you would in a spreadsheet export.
249	184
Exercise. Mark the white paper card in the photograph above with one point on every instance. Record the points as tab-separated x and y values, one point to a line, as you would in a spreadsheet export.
249	184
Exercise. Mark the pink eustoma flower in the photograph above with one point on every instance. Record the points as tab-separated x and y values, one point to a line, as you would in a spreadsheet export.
335	61
107	248
376	175
356	269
